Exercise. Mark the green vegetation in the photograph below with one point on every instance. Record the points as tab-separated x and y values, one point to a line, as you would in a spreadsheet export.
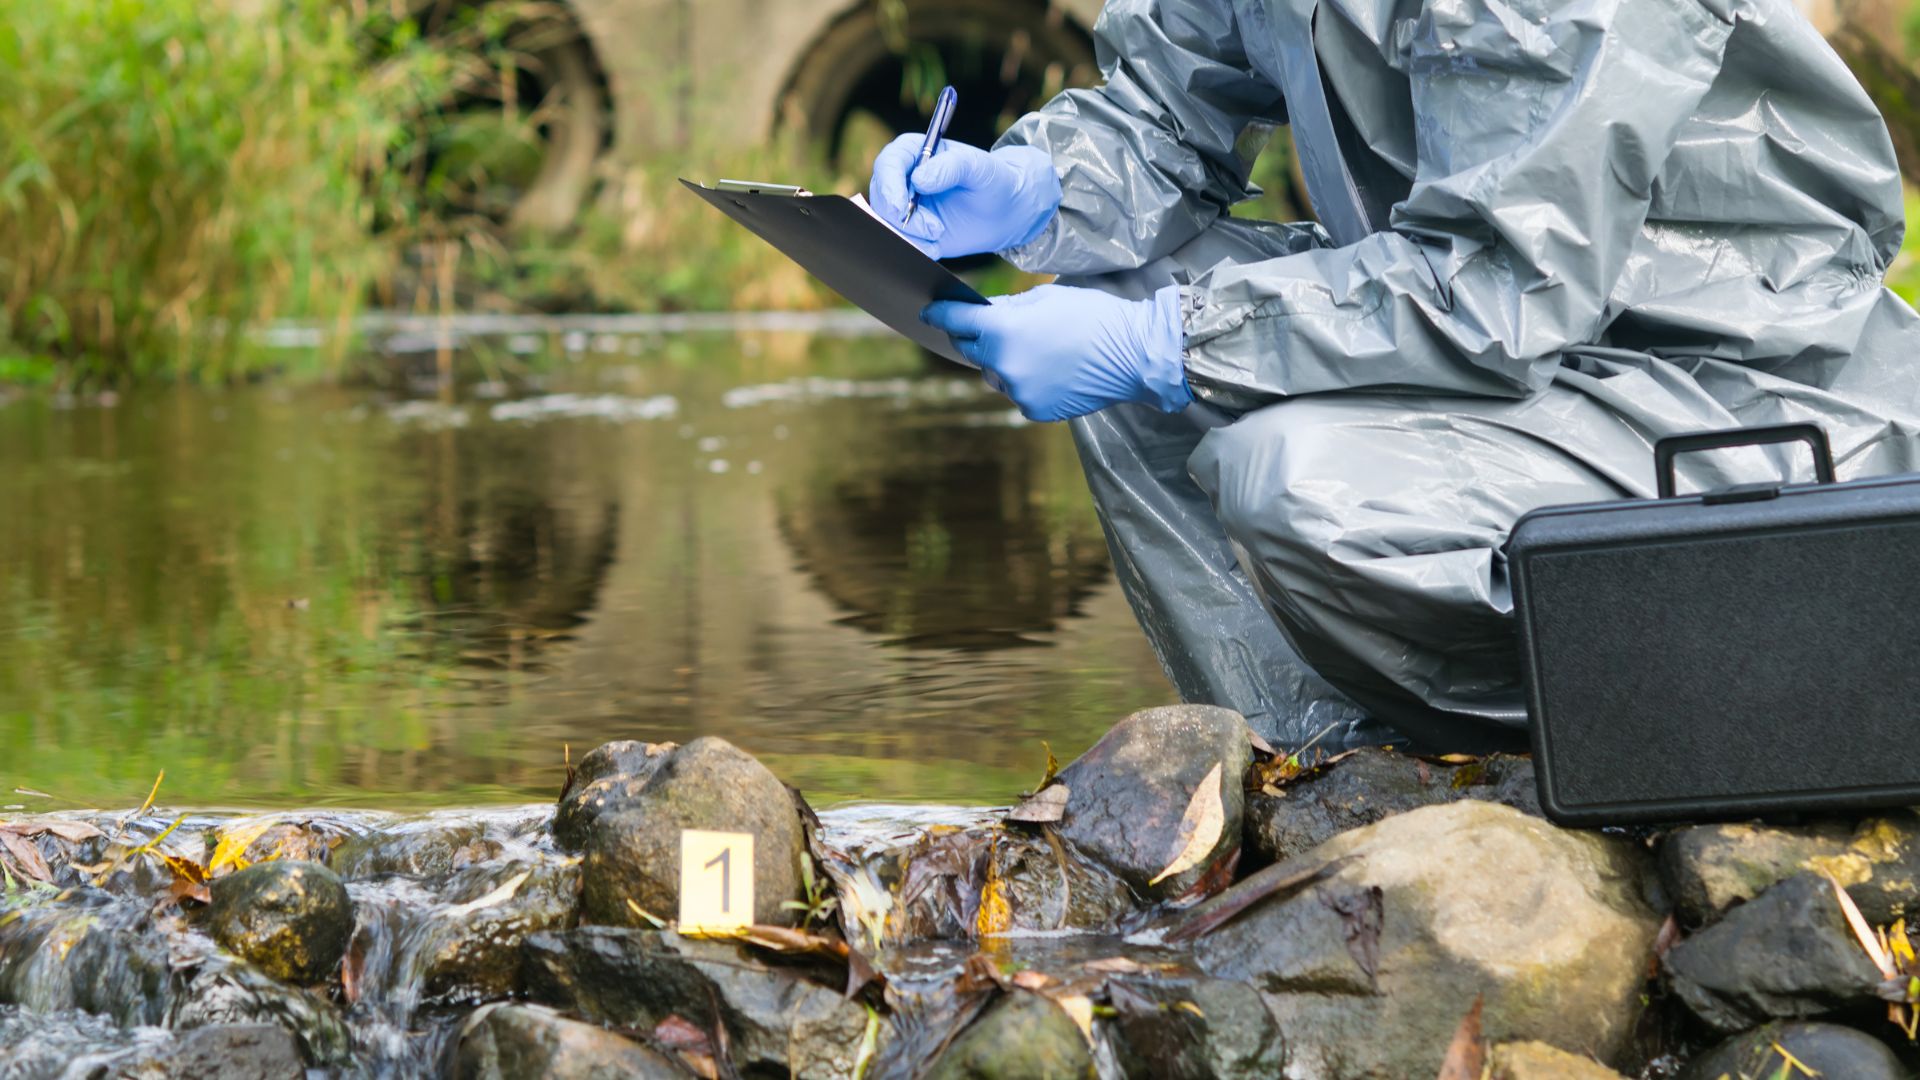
171	171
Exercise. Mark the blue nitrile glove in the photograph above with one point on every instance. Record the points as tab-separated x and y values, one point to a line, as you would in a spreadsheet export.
969	201
1061	352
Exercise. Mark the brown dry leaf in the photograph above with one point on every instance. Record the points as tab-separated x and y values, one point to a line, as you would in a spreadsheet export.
694	1046
1043	807
1116	965
183	889
978	974
1260	744
1467	1055
1032	980
26	856
184	869
1279	878
70	831
1200	827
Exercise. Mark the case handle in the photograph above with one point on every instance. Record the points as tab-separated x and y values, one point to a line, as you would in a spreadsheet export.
1673	446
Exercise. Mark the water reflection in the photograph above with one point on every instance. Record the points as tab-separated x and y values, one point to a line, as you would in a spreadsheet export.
857	570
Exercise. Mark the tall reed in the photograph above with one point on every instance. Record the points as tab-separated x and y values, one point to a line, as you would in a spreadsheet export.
173	171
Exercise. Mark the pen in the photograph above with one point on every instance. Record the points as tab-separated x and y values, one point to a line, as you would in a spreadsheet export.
936	130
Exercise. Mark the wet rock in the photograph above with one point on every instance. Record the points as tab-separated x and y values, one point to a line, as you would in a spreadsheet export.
778	1019
1192	1028
1709	868
509	1042
54	1046
1127	795
225	992
608	780
231	1052
1788	954
1538	1061
1370	970
1021	1036
633	854
96	957
1375	783
291	918
1828	1049
247	841
474	951
424	851
958	884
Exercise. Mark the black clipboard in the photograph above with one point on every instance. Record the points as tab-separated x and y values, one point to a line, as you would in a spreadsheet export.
840	243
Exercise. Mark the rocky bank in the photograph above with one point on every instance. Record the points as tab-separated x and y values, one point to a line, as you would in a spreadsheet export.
1179	902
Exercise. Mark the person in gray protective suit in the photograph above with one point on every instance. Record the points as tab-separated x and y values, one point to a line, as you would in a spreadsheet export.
1550	232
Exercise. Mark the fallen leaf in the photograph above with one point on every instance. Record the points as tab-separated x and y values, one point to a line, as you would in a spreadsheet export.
184	889
653	920
1043	807
680	1036
1286	877
1668	936
1902	1016
1260	744
1080	1007
996	912
493	899
70	831
235	839
1362	915
26	857
1116	965
979	973
1188	1006
1032	980
1467	1055
184	869
1200	827
1053	765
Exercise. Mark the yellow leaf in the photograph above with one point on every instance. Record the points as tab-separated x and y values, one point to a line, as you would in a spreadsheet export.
235	839
996	913
1900	946
1080	1007
1200	827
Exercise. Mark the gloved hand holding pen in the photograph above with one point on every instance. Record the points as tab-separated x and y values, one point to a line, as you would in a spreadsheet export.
969	201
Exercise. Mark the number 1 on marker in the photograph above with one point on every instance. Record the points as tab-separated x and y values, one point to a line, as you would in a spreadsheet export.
712	897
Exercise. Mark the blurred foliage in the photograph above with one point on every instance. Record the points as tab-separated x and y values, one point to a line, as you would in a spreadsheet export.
171	170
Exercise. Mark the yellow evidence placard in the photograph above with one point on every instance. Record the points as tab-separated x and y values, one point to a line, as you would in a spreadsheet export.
716	881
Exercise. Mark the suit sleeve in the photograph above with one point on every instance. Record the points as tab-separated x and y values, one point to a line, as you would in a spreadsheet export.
1164	147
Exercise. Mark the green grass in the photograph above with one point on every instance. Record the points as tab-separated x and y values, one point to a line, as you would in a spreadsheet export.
1903	276
174	171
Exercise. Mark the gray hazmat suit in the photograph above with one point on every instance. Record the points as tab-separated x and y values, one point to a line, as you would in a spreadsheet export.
1551	232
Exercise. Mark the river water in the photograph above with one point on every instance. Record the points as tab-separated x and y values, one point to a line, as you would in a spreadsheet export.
863	570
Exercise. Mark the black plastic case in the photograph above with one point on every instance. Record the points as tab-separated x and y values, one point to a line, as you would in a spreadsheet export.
1731	653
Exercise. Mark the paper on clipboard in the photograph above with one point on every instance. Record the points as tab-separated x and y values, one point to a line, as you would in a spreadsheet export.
845	244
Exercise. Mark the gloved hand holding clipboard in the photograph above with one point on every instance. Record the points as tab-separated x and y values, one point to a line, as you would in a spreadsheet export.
841	242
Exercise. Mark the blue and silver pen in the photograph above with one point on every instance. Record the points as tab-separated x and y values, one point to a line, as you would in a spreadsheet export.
936	130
